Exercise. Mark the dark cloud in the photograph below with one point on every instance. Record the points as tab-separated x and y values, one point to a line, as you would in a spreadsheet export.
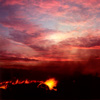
9	58
19	24
87	41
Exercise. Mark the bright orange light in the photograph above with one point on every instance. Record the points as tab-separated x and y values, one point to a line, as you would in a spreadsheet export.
26	81
51	83
3	87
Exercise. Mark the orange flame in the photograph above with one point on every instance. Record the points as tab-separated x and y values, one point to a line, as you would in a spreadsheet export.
51	83
3	87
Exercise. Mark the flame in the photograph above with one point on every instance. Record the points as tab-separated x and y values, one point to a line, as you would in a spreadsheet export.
51	83
3	87
27	82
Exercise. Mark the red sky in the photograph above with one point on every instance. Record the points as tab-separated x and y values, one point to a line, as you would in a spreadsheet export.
49	30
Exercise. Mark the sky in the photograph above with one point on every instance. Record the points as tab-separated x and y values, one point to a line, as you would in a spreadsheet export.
49	30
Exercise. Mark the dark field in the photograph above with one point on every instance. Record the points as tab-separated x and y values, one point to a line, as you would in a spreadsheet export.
71	87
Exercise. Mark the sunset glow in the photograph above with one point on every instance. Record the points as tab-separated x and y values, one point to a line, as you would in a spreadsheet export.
56	37
45	28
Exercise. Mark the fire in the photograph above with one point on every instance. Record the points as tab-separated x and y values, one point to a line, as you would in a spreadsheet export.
3	87
51	83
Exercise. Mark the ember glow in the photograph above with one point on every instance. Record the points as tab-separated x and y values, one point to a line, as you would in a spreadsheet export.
3	87
51	83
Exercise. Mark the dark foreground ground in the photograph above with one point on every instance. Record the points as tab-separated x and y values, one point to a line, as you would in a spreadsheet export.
82	87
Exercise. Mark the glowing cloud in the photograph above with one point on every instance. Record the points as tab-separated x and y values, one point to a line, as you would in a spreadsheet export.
57	37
